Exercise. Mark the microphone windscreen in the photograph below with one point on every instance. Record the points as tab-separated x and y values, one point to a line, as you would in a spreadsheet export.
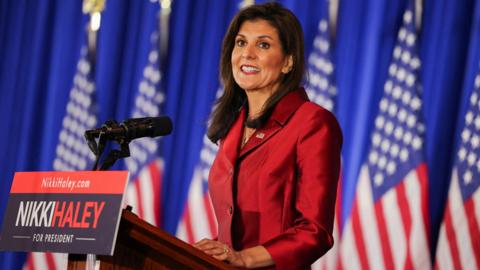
161	125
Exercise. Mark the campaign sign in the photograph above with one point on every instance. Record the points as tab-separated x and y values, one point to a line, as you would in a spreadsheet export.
68	212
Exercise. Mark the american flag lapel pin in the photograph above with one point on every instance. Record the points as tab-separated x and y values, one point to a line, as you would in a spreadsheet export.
260	135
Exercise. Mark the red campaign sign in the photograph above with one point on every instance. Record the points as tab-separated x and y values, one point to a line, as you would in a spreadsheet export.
91	182
69	212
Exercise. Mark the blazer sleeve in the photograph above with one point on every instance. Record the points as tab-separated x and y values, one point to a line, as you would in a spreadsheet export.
318	160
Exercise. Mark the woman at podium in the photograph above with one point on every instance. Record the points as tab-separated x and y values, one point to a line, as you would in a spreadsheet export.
273	182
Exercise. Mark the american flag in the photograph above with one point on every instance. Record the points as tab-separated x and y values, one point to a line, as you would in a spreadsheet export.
72	152
143	191
459	240
321	89
198	219
388	227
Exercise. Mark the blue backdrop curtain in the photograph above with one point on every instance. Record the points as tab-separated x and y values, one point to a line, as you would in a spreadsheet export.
40	44
444	46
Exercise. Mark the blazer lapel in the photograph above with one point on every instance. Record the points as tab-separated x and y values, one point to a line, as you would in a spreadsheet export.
280	115
231	143
259	137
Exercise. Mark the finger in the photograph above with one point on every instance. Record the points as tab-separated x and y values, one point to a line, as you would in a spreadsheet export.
213	244
201	242
222	254
210	246
217	250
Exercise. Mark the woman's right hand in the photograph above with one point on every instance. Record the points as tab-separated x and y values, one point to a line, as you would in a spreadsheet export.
249	258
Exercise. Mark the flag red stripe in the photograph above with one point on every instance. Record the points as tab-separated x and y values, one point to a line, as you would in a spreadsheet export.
340	265
188	225
406	220
50	261
452	239
210	216
385	240
156	177
357	232
474	229
422	174
30	265
139	197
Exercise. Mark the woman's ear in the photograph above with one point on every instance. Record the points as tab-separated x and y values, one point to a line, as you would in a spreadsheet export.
287	67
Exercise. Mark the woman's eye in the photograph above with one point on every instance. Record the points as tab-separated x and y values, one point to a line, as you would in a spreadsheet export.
240	42
264	45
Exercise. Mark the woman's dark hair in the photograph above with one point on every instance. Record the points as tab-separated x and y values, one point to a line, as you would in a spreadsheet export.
233	98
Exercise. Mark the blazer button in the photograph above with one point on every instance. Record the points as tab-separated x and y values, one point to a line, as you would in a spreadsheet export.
230	210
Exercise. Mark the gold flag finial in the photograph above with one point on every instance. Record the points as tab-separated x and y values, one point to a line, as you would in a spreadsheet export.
246	3
93	6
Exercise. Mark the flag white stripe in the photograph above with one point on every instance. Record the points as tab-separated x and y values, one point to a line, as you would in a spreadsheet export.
459	222
146	189
318	264
368	221
196	208
181	232
131	198
348	250
443	255
395	228
39	260
418	242
61	260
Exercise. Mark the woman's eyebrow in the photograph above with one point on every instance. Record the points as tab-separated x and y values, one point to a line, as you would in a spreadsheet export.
259	37
265	36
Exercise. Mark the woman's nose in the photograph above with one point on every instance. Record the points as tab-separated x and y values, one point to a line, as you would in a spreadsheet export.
249	51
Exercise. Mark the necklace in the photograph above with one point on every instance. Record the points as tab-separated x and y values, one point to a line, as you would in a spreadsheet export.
247	133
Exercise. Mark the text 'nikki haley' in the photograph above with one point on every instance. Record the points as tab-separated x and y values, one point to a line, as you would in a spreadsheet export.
61	214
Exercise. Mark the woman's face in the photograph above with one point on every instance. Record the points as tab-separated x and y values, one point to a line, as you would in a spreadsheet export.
258	61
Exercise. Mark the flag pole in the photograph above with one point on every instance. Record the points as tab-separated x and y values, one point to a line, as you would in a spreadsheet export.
418	9
333	17
94	8
164	26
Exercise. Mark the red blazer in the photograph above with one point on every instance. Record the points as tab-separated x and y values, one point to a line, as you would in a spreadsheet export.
279	190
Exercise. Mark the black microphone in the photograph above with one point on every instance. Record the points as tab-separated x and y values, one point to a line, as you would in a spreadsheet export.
133	128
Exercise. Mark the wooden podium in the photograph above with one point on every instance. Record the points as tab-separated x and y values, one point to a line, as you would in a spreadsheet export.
141	245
